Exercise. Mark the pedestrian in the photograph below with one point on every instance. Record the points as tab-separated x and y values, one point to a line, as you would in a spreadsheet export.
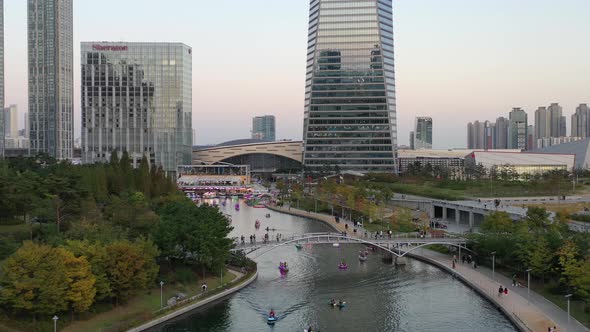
453	264
474	265
204	287
500	291
514	279
506	291
463	259
454	258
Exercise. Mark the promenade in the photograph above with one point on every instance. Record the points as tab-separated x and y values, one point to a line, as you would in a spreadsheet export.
530	314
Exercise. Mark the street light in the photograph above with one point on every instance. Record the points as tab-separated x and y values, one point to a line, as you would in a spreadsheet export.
528	284
55	318
568	308
493	265
161	294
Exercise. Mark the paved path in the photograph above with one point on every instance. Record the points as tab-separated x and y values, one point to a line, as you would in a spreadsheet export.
537	314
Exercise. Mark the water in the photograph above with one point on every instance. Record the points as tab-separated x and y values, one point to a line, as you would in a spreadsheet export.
380	297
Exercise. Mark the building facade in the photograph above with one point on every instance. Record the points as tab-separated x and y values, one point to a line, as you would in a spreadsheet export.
501	140
350	115
11	121
264	128
423	132
581	121
51	80
517	129
137	97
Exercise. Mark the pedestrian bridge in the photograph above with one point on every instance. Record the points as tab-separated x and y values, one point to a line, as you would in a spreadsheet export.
392	245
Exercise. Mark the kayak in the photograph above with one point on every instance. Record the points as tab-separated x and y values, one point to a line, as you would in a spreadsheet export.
298	246
341	305
362	258
271	320
342	266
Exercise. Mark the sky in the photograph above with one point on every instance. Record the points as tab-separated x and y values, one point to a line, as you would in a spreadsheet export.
456	60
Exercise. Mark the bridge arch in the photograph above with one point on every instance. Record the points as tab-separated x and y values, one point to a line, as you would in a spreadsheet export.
336	238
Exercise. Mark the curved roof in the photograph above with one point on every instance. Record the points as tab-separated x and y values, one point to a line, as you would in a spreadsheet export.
288	149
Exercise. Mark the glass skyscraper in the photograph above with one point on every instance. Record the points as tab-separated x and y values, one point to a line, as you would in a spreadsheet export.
51	77
264	128
423	133
350	116
137	97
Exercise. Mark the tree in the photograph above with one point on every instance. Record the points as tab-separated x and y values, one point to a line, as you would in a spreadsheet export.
568	262
96	255
540	258
402	221
81	281
537	218
497	222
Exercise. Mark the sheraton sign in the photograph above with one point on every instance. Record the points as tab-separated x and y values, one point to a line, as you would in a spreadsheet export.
97	47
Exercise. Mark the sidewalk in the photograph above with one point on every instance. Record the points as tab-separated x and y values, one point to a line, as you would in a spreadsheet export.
537	314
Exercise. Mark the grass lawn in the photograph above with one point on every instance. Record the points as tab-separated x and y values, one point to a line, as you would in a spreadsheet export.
106	318
142	307
564	207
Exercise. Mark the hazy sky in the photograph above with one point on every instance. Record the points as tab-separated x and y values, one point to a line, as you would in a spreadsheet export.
456	60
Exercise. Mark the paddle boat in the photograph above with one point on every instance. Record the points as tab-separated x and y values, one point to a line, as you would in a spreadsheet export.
342	266
299	246
271	320
283	267
267	215
341	304
362	258
237	207
257	224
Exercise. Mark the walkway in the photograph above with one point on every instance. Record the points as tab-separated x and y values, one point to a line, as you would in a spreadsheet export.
537	315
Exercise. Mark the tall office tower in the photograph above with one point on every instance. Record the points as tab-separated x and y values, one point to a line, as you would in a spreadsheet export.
555	113
501	140
51	81
562	127
11	121
517	129
476	132
26	129
137	97
489	135
423	132
530	138
581	121
350	116
412	146
2	78
542	123
263	127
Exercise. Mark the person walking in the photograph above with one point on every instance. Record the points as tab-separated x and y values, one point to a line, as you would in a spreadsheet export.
463	259
500	291
506	291
514	279
474	264
454	258
453	265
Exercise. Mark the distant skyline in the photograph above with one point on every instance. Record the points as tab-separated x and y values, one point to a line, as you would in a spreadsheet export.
456	61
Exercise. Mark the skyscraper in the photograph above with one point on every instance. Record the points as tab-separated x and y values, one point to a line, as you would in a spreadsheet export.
137	97
11	121
412	146
476	132
581	121
423	132
501	133
489	135
263	127
2	78
542	123
555	113
350	115
517	129
51	88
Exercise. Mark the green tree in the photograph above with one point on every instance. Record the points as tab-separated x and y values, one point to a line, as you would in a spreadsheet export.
568	262
540	258
497	222
81	281
537	218
96	255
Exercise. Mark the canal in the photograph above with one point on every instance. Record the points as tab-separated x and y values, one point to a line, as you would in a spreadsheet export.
380	297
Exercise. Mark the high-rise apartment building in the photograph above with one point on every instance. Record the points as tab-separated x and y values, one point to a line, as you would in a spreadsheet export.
517	129
549	122
350	115
557	120
581	121
423	132
476	134
263	128
489	135
137	97
501	140
2	78
11	121
412	146
530	138
542	123
51	81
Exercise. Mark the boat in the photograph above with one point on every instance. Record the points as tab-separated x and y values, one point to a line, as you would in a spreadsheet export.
342	266
283	268
362	258
271	320
257	223
335	244
267	215
341	304
237	206
299	246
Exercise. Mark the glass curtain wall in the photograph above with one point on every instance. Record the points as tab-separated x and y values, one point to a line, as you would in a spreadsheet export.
350	117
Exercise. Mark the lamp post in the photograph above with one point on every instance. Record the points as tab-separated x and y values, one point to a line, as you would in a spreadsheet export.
161	294
55	318
568	308
528	285
493	265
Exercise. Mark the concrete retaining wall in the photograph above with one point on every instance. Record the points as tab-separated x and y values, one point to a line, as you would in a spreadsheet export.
194	306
